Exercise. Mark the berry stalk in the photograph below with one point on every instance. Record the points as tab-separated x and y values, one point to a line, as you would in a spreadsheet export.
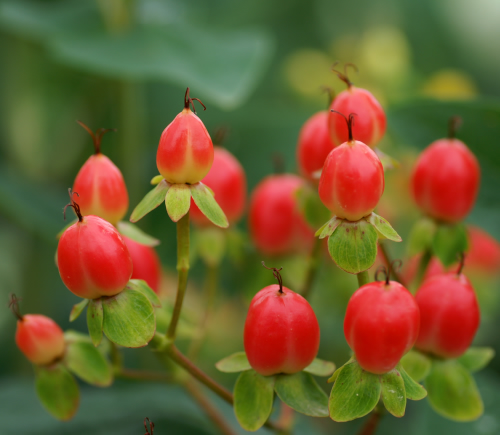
314	262
422	268
363	278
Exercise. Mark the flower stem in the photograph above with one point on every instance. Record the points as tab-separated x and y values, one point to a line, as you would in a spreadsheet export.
314	262
387	260
363	278
142	375
182	270
370	427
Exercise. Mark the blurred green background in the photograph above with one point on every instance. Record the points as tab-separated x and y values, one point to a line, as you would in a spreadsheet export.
259	67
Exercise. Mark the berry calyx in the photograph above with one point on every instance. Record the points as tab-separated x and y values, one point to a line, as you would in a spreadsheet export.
100	184
281	331
352	180
445	180
381	325
185	152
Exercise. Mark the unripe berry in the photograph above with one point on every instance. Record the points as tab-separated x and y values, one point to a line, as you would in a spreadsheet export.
100	185
185	153
277	226
281	331
352	180
381	325
227	180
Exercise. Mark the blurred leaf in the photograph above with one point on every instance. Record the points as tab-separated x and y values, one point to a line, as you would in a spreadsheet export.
141	286
237	362
301	392
384	228
476	358
253	399
95	320
210	244
156	179
77	310
85	361
421	236
58	391
320	367
327	229
450	240
208	205
129	319
387	161
311	207
413	390
416	364
135	233
178	201
393	393
152	200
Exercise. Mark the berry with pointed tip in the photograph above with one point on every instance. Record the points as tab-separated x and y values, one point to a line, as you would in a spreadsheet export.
227	180
100	185
381	325
185	153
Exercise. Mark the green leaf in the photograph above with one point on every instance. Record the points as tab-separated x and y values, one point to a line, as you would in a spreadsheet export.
301	392
353	246
141	286
90	365
452	391
152	200
237	362
393	393
416	364
387	161
311	206
208	205
414	391
135	233
421	236
327	229
178	201
129	319
253	399
156	179
95	318
354	394
77	310
476	358
58	391
449	242
210	244
384	228
320	367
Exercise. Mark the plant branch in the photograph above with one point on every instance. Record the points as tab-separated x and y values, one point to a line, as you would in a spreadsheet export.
388	261
363	278
422	268
143	375
314	262
370	427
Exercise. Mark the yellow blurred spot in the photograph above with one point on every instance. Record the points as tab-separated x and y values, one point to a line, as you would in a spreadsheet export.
449	84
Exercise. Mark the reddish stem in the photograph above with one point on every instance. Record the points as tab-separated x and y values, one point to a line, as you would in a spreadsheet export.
370	427
343	76
462	263
454	124
73	205
97	136
277	275
190	101
350	122
14	306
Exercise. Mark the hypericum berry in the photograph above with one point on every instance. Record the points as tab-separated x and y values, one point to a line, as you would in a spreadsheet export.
37	336
100	184
281	331
484	252
445	179
370	122
352	180
92	257
381	325
449	315
146	263
277	226
314	145
185	153
227	180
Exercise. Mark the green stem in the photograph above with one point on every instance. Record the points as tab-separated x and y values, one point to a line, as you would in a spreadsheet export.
422	268
363	278
182	271
142	375
314	262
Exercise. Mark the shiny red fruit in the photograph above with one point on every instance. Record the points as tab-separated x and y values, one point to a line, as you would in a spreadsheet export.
185	153
381	325
39	338
449	315
445	180
281	332
276	223
146	263
100	185
484	252
227	180
314	145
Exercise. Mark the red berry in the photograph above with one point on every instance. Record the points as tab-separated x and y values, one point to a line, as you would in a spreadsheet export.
39	338
227	180
146	263
484	252
185	153
352	180
276	223
314	145
92	257
100	185
381	325
410	269
281	332
449	315
445	180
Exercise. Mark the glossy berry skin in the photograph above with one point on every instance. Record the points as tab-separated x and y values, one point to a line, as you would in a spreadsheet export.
276	223
369	123
146	263
381	325
227	180
101	189
185	153
314	145
352	181
39	338
93	259
281	332
445	180
449	315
